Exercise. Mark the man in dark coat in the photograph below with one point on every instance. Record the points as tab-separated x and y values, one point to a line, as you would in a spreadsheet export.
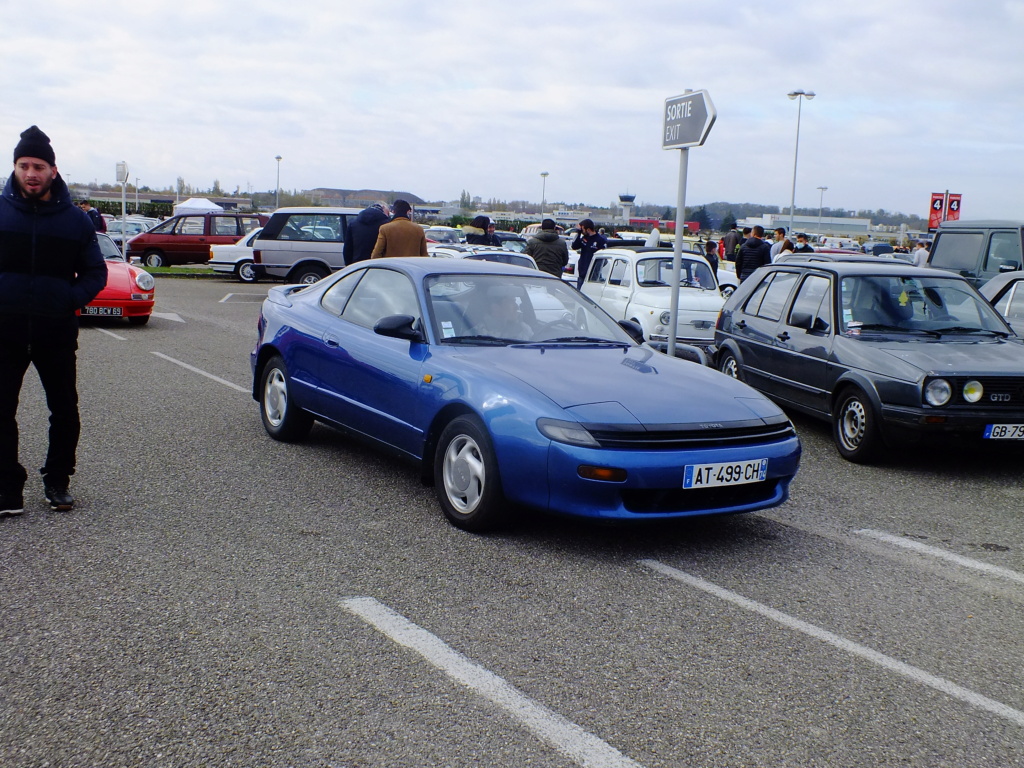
548	249
363	231
587	242
754	253
730	243
50	266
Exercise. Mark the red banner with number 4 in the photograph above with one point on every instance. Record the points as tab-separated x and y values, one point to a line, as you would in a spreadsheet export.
937	209
953	208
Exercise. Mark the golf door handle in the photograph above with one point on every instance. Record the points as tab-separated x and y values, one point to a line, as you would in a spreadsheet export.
784	336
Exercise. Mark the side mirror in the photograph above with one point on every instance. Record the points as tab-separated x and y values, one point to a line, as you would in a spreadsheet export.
636	333
808	322
399	327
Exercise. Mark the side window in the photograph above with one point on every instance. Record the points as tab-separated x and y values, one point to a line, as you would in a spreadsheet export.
224	225
191	225
776	296
1003	250
599	270
619	272
380	293
754	302
957	251
164	227
248	223
336	296
812	298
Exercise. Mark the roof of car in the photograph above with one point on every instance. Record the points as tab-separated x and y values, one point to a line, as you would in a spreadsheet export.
313	210
417	266
875	266
981	224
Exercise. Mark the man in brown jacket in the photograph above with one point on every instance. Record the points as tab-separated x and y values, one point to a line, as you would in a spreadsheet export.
400	237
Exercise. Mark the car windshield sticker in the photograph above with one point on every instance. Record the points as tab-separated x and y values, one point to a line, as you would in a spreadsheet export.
447	329
904	298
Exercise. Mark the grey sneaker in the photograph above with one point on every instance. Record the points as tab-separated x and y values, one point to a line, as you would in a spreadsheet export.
11	504
59	497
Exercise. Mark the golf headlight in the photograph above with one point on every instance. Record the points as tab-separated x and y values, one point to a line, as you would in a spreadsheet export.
567	432
973	391
937	392
666	318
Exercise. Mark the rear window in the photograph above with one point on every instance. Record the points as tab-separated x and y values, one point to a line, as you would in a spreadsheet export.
305	227
957	251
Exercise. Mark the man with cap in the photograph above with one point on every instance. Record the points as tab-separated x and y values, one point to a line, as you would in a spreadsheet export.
400	237
548	249
50	266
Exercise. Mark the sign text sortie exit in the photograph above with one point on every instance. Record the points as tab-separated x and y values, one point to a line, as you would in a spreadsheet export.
688	119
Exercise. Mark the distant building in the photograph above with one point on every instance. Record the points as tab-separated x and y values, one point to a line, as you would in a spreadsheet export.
829	225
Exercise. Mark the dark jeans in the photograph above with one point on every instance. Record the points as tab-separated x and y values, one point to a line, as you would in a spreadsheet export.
56	367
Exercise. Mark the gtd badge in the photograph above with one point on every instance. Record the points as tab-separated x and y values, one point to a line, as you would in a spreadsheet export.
999	397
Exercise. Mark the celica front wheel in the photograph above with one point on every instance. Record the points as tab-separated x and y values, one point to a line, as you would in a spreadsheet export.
466	476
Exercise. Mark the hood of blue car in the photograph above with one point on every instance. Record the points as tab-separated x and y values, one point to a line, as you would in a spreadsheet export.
630	386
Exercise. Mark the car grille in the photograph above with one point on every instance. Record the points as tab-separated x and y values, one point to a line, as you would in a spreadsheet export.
998	391
675	438
642	501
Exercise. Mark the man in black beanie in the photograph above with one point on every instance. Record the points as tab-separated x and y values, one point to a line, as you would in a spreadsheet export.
50	266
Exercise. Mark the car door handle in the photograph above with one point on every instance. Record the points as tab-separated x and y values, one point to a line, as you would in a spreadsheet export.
741	324
784	336
331	340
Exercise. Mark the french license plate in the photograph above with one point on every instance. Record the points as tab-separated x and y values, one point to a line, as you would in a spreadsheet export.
725	473
1004	432
105	311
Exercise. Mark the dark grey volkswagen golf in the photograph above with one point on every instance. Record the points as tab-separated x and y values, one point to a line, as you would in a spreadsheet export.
886	352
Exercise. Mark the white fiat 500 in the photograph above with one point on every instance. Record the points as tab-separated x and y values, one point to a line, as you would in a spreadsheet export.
636	285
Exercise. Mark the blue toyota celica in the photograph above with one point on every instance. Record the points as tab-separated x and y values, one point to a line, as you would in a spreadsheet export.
509	387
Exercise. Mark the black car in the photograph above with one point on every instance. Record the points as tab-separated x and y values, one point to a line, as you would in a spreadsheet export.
885	352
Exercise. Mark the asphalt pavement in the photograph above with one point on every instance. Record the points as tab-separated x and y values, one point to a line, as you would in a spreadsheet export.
221	599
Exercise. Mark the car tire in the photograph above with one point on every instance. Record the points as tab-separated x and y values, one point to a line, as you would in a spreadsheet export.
855	427
466	478
282	419
307	275
729	365
246	272
154	259
138	320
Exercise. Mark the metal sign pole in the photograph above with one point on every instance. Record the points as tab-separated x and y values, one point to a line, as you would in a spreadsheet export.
677	251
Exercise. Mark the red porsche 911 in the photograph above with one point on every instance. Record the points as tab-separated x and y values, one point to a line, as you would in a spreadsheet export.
129	292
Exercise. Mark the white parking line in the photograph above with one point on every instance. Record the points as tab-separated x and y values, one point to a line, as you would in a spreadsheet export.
942	554
893	665
565	736
188	367
111	333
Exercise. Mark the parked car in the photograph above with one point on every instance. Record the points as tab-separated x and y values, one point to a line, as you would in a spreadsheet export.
118	229
978	250
1006	293
480	253
510	241
236	258
637	285
446	363
129	292
187	239
887	352
444	235
302	245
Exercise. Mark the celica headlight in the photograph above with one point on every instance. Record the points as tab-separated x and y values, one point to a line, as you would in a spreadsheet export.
973	391
567	432
937	392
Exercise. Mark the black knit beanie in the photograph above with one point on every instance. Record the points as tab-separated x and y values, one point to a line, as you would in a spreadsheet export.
35	143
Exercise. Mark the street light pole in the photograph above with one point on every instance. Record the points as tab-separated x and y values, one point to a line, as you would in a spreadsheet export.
543	191
821	203
277	195
800	96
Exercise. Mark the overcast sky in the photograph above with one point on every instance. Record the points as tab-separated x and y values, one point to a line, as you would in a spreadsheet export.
913	97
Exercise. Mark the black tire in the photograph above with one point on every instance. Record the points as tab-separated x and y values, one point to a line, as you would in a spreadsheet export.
729	365
154	259
246	272
282	419
466	478
307	275
855	427
138	320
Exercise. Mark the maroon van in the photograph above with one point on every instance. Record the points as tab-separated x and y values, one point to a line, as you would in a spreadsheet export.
187	239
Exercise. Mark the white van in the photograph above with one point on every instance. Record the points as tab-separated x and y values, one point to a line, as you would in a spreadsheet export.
302	245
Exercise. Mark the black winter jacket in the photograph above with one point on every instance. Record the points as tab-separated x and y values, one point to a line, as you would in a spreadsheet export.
50	260
754	253
550	251
362	234
477	236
